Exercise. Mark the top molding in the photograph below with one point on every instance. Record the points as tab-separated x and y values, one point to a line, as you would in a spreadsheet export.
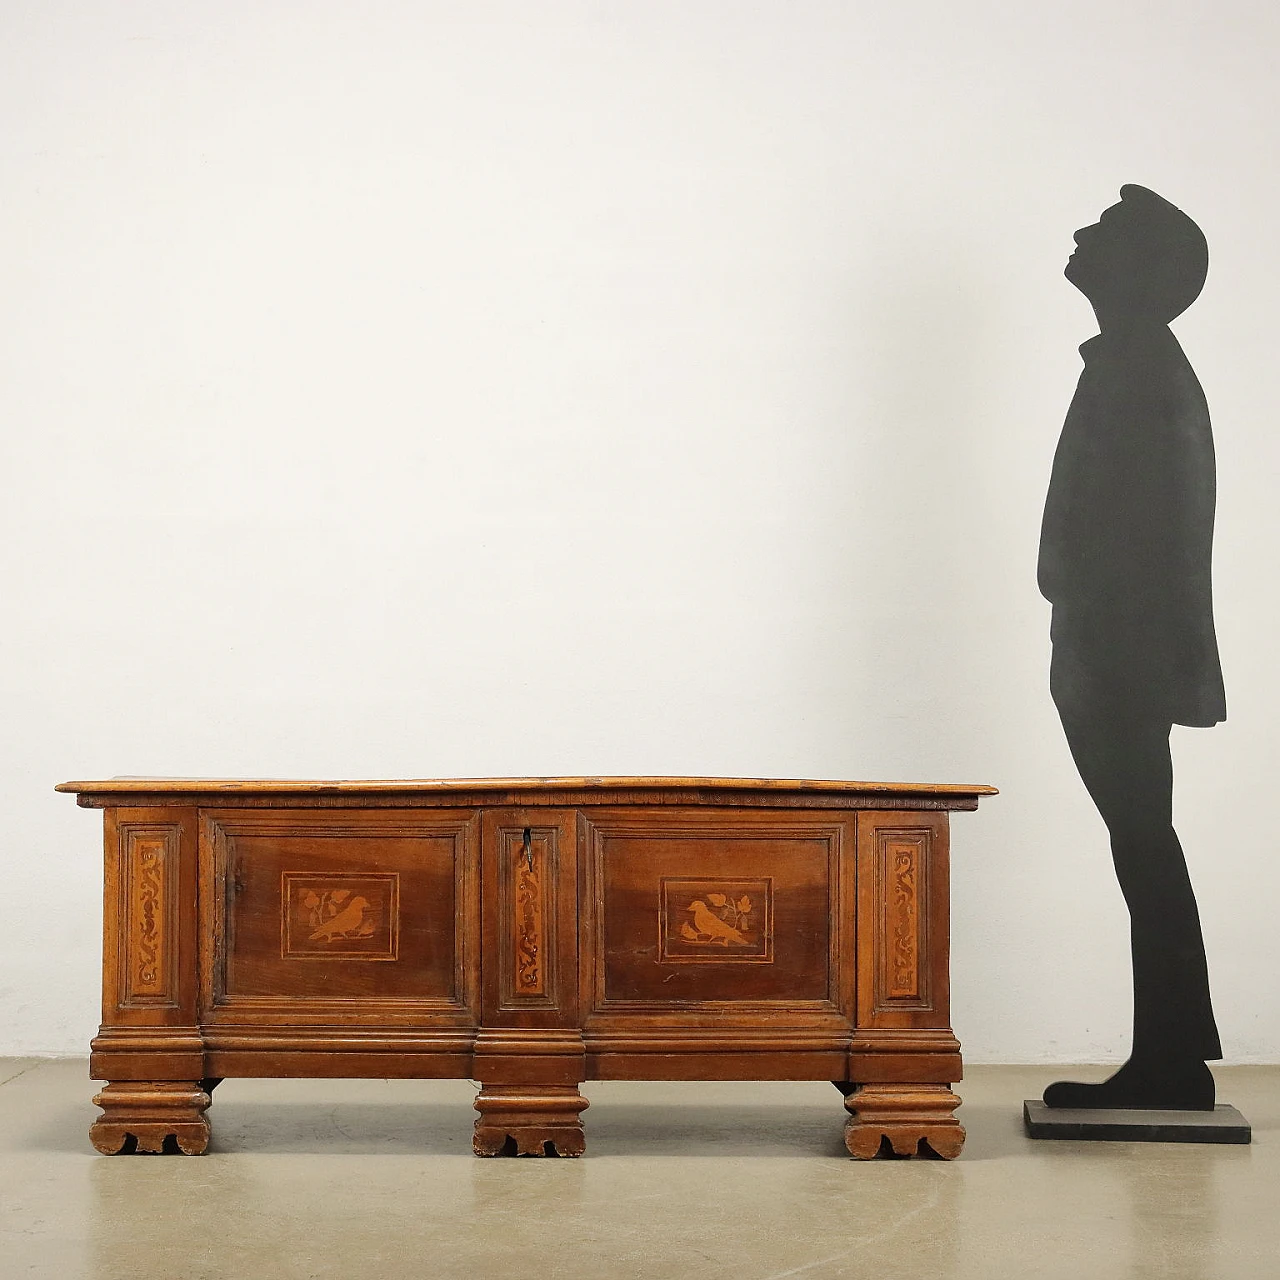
489	792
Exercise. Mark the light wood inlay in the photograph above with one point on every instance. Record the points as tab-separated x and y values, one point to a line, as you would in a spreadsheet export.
715	921
528	858
530	923
148	976
902	869
330	915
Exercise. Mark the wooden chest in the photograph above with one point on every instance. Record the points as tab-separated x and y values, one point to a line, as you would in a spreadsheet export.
529	934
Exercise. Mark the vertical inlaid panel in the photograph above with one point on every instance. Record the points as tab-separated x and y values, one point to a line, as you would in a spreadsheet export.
902	913
148	973
902	866
530	919
527	861
530	889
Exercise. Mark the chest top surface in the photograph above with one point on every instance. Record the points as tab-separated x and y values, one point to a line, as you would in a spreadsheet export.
493	792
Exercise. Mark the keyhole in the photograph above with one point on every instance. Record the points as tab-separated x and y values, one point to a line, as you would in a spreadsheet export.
528	848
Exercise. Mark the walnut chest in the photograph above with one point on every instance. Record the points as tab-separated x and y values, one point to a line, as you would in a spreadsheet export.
529	934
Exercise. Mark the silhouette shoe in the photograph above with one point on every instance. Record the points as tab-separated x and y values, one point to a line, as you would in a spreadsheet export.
1152	1085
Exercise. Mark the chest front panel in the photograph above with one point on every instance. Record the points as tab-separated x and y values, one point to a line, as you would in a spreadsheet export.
730	909
355	908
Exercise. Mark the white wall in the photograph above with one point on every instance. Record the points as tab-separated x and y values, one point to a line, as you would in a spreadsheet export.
450	389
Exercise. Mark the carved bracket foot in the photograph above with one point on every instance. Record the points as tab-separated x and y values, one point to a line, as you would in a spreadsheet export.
911	1119
529	1120
162	1118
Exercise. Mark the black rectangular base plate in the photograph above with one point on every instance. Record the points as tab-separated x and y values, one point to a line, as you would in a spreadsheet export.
1222	1124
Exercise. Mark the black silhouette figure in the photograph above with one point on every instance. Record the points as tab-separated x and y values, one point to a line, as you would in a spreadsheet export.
1125	561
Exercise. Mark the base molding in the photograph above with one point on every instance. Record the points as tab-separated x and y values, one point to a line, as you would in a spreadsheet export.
156	1117
906	1117
529	1120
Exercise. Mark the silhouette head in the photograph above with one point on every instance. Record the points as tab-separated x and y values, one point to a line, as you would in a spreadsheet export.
1143	260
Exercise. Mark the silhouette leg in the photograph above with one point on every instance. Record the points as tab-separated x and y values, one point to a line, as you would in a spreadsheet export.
1124	762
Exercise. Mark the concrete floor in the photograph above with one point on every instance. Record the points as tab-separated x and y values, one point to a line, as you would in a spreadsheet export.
375	1179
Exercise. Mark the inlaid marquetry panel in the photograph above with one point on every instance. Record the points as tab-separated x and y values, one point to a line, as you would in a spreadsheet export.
902	926
528	859
716	921
148	972
530	922
356	917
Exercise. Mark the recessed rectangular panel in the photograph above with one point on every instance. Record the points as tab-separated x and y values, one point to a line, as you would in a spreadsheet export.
341	907
694	912
902	916
149	885
531	907
527	864
902	931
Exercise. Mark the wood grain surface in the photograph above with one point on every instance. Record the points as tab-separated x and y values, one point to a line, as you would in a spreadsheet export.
529	934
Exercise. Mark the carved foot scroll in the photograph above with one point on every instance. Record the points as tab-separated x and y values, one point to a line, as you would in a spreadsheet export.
162	1118
911	1118
529	1120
